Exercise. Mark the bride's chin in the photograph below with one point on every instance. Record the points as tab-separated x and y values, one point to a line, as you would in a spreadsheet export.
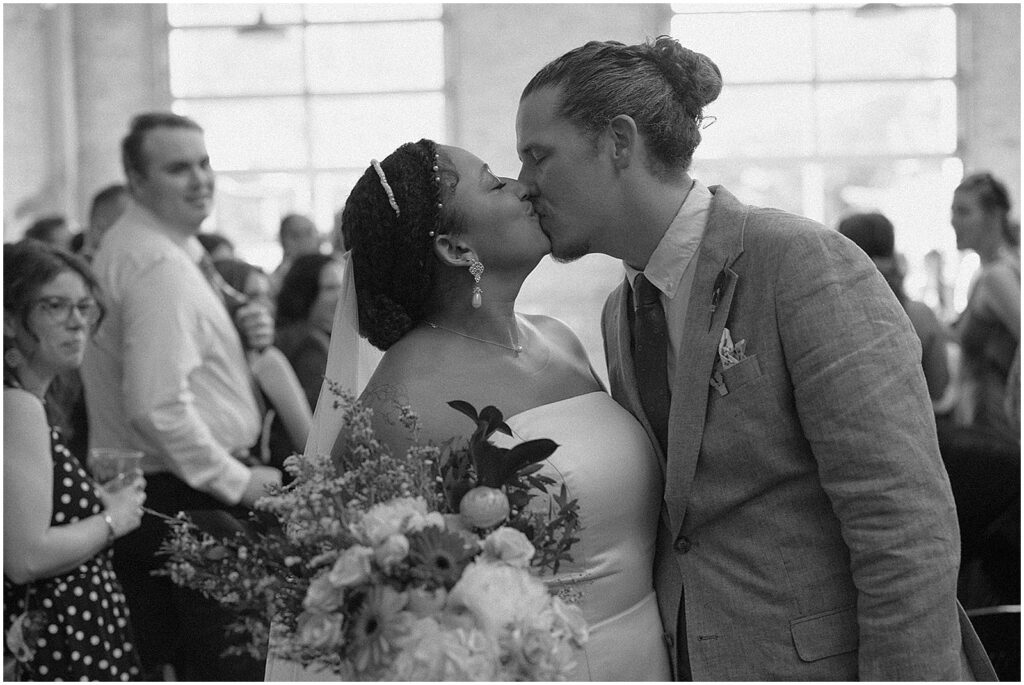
538	259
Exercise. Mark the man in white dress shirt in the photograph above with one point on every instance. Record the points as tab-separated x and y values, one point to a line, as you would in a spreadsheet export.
167	375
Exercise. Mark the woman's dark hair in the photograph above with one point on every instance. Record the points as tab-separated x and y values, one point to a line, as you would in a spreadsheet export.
875	234
235	273
872	232
993	197
31	264
663	86
300	288
46	227
392	251
211	242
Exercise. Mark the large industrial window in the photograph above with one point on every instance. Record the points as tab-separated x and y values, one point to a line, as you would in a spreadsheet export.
296	99
829	109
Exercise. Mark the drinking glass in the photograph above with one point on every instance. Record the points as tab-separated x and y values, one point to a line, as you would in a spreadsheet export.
112	467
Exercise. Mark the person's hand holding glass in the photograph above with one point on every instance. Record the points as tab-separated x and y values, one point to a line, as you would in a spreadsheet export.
122	486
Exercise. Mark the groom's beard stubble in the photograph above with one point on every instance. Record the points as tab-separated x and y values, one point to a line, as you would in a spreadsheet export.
564	254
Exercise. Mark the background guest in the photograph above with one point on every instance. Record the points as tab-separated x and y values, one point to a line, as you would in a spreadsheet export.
108	204
52	229
874	233
58	522
216	245
989	327
298	236
305	314
288	415
66	397
167	375
985	437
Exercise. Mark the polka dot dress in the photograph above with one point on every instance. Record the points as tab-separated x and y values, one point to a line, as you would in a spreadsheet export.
86	634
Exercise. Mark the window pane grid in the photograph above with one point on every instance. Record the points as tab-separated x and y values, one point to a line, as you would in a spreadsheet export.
206	15
832	109
296	99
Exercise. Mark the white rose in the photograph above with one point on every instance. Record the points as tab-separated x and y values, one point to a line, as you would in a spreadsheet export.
322	594
497	594
393	550
509	546
317	630
352	567
390	517
418	522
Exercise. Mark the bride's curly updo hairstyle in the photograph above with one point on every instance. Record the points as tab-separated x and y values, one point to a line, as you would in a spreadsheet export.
393	251
663	86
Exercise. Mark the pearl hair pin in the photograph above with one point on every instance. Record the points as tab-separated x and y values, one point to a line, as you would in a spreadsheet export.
387	187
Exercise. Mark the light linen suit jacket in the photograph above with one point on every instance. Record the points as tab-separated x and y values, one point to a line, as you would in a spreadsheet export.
807	512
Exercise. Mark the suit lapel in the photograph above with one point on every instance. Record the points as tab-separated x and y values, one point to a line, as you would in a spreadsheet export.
721	246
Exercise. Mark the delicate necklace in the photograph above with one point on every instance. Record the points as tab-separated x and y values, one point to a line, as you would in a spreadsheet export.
515	349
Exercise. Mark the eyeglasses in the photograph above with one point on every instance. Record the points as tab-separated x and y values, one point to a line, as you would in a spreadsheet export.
58	309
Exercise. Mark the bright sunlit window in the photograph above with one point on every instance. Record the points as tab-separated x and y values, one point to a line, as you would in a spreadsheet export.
832	109
296	99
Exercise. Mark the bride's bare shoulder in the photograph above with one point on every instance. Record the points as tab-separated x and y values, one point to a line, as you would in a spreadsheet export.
556	332
411	375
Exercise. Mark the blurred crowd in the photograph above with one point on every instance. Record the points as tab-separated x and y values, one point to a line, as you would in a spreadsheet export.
143	332
972	369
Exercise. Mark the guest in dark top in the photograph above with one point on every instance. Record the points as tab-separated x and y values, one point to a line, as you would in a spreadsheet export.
989	327
216	245
287	417
988	436
305	314
874	234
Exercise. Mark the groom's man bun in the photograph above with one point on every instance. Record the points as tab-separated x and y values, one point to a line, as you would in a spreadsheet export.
662	85
392	252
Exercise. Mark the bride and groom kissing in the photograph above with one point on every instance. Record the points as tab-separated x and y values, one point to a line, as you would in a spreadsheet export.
761	491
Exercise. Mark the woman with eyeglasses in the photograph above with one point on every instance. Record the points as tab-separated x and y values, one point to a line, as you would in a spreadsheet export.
65	615
989	327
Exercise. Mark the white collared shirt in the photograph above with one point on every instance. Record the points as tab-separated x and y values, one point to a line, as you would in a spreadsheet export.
672	266
166	372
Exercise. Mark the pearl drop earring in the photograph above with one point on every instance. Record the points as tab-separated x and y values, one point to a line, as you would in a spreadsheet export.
476	268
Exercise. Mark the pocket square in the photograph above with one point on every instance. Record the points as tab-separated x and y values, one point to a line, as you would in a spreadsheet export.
731	353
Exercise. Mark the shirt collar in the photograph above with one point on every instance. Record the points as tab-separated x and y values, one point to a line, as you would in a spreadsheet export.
674	253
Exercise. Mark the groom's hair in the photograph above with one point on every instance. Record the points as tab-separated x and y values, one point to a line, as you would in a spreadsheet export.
661	85
396	271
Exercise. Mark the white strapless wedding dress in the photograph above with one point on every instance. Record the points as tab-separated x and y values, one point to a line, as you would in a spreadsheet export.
606	461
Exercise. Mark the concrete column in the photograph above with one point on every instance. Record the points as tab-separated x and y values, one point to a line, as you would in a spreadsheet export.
39	133
988	93
120	70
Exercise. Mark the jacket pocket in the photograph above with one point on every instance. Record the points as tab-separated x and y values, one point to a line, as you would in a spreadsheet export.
742	373
825	634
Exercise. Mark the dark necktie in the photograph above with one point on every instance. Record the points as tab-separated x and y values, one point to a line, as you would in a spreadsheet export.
650	357
231	298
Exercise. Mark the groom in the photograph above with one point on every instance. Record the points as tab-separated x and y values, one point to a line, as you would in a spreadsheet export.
808	531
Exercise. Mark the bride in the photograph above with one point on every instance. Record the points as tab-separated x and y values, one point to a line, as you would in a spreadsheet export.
440	248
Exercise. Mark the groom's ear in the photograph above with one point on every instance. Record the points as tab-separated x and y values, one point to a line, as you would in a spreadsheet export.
452	251
624	138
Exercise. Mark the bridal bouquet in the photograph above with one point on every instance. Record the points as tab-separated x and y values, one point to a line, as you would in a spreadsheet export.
400	567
